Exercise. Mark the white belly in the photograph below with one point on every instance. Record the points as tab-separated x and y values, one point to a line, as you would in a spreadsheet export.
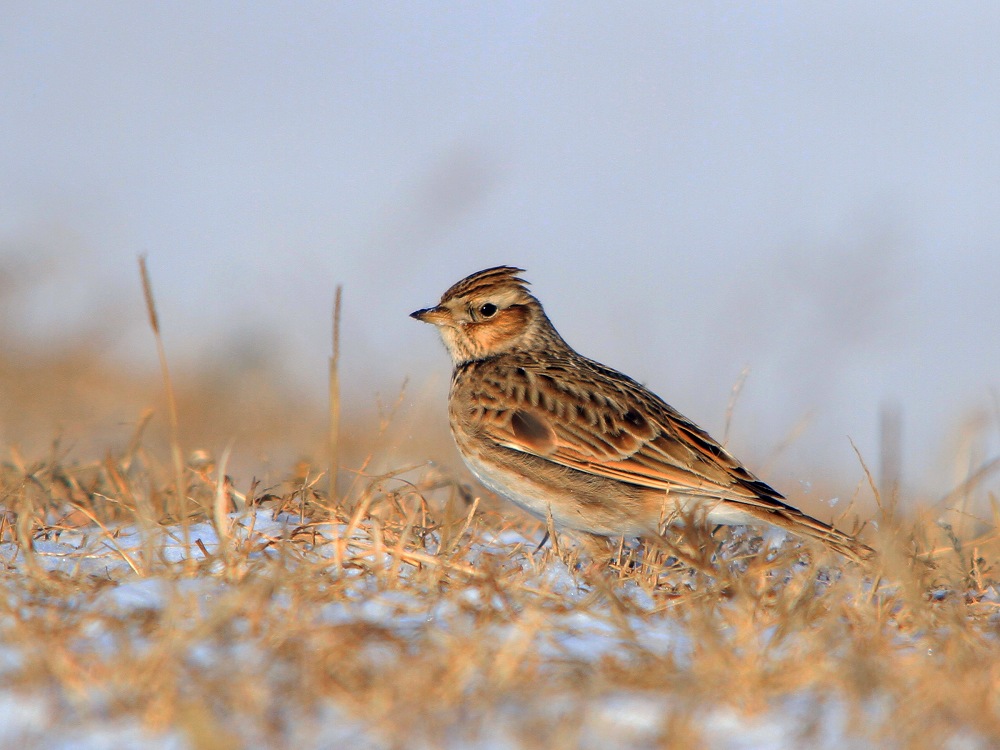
503	484
535	500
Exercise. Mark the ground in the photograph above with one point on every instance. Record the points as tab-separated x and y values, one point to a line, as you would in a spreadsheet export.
407	612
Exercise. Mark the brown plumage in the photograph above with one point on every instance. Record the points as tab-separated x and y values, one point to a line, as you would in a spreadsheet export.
561	434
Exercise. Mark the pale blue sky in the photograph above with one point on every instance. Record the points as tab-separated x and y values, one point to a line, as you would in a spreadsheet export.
807	189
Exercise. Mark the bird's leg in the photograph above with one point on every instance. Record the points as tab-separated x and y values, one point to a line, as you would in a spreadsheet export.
542	543
719	543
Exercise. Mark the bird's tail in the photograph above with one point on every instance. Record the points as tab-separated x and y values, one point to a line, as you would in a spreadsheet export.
796	522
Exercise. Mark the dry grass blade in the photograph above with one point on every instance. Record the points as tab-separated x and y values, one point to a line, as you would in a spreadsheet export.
221	508
972	481
176	453
334	396
734	396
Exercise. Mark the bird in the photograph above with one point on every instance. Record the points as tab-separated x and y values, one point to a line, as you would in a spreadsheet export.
569	439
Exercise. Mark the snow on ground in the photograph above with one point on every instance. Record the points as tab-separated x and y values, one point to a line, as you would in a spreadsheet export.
626	718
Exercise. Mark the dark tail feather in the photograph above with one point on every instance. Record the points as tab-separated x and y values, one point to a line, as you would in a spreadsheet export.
798	523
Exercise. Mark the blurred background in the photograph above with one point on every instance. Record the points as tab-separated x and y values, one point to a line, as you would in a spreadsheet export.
804	193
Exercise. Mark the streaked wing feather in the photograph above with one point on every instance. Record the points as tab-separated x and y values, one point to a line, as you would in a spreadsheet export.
633	437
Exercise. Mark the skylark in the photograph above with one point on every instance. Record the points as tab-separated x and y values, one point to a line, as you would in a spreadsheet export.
564	436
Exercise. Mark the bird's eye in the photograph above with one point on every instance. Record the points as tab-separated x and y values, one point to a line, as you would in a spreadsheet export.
488	310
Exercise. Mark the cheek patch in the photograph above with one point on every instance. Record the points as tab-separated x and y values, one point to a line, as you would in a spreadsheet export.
495	332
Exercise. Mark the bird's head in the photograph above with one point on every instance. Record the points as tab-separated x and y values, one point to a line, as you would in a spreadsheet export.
489	313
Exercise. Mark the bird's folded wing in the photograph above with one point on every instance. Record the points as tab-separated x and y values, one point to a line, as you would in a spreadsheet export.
642	445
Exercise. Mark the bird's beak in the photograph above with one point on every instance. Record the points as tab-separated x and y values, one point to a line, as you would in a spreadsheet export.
434	315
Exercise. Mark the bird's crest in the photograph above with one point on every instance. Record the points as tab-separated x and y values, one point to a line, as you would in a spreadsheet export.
492	279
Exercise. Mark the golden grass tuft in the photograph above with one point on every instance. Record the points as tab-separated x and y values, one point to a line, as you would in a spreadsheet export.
401	615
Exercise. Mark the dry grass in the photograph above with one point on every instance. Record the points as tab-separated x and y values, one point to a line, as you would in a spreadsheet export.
404	612
403	618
